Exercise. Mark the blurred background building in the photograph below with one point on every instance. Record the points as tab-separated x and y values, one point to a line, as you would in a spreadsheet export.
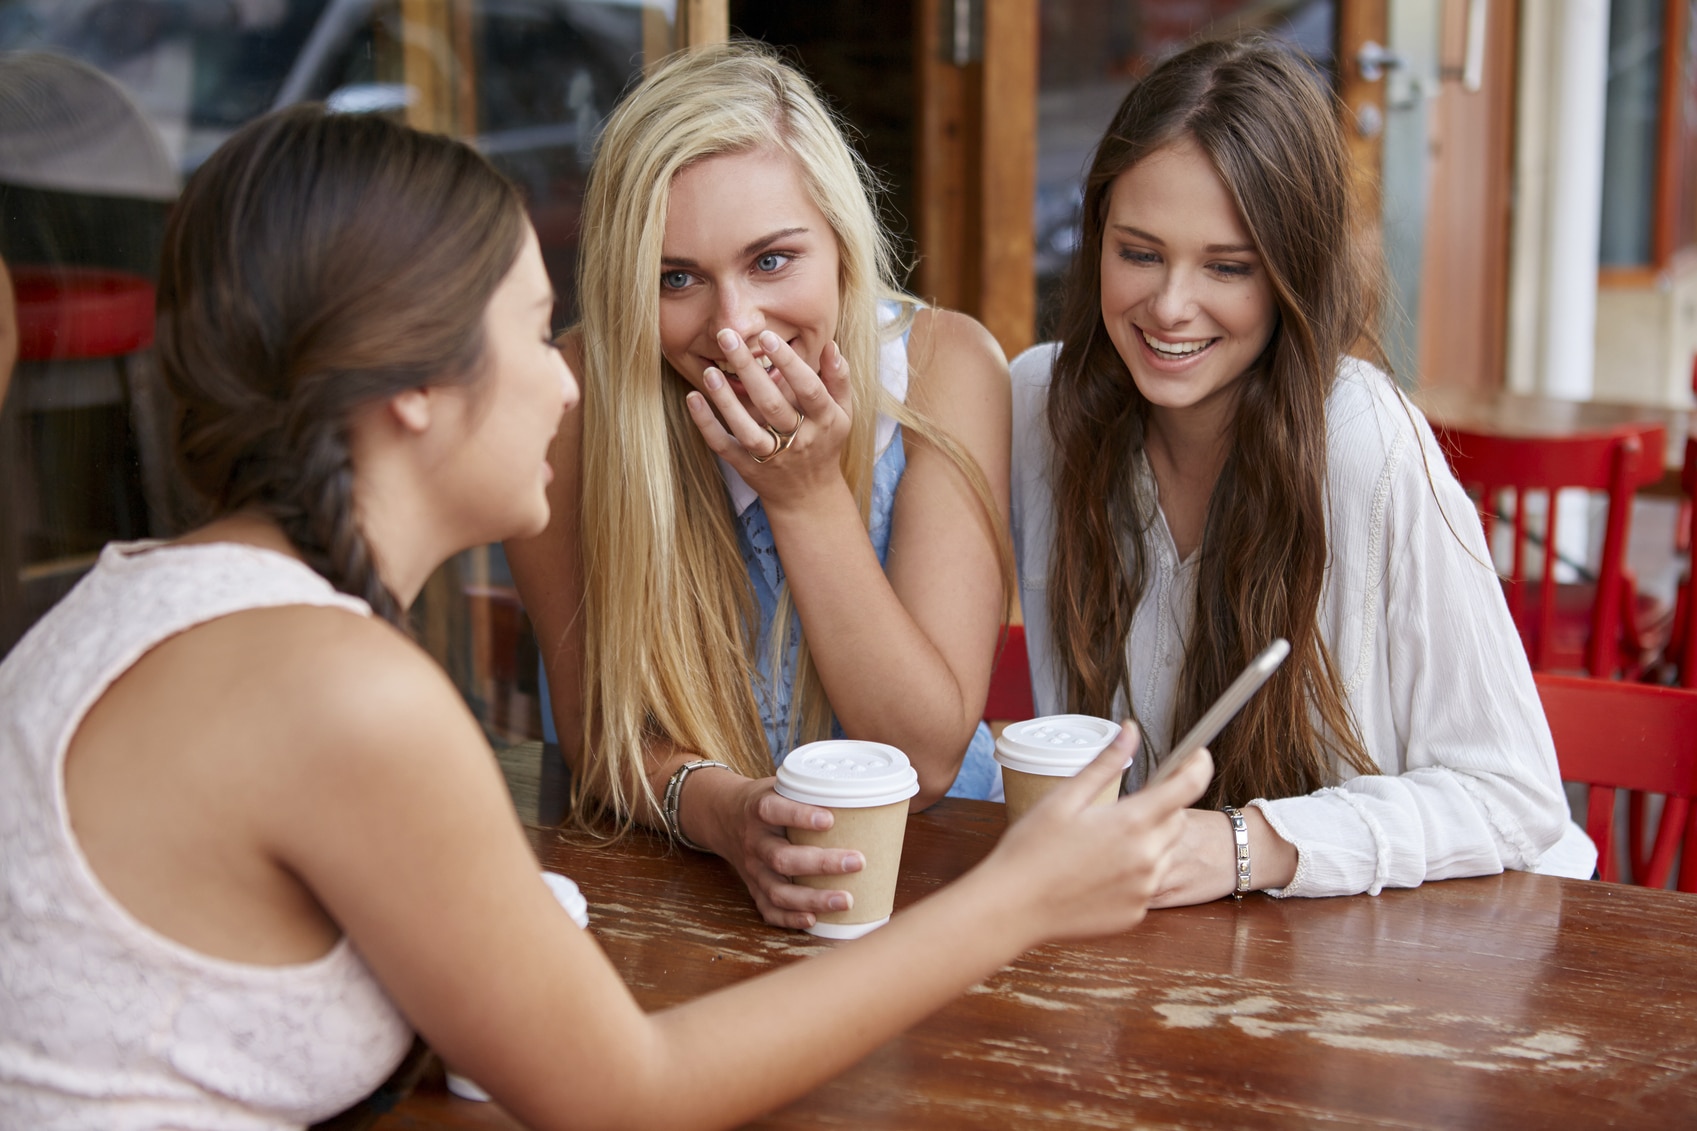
1528	165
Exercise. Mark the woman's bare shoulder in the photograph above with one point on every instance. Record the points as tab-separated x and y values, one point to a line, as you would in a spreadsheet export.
951	354
937	331
321	678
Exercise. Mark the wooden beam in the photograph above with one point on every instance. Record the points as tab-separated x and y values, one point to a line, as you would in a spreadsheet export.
1360	22
1669	167
702	21
437	62
947	144
975	183
1007	167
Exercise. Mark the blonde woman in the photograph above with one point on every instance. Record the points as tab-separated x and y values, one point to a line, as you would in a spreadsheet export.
781	512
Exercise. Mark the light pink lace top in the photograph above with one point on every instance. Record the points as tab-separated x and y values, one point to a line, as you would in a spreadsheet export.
105	1023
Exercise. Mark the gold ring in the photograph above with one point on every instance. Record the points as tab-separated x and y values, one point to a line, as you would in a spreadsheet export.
788	438
781	440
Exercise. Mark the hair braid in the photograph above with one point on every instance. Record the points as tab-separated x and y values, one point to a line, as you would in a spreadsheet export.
315	264
316	510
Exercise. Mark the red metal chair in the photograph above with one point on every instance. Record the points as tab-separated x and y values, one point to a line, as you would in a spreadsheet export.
1570	626
1010	682
1635	736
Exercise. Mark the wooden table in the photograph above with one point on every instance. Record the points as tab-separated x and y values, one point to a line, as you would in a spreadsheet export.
1504	413
1507	1001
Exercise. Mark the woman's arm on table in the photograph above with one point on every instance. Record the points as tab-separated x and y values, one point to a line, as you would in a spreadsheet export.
398	821
904	655
1472	786
1469	784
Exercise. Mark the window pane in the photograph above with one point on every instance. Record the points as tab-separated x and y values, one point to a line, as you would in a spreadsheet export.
94	143
1632	118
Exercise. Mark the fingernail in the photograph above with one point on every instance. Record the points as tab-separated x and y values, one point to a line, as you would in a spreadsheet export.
712	378
853	862
821	821
841	901
770	341
729	341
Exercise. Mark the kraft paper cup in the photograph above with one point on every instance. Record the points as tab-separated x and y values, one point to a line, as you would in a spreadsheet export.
866	785
1038	754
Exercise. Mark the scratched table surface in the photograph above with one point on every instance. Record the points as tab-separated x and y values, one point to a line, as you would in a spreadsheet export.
1506	1001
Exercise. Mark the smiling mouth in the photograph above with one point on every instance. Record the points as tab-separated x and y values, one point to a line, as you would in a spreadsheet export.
724	366
1175	351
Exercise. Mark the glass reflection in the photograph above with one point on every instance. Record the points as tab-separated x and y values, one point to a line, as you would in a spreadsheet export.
106	105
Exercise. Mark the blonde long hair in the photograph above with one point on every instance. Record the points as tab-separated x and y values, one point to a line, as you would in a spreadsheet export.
670	616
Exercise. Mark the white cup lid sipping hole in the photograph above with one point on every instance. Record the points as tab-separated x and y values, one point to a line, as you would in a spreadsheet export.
846	774
1055	745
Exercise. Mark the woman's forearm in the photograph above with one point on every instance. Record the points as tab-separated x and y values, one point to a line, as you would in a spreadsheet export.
886	680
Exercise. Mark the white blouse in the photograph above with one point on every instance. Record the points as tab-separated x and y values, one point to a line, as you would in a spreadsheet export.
1433	671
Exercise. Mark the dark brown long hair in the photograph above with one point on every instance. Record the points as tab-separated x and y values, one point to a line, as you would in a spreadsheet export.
315	263
1272	134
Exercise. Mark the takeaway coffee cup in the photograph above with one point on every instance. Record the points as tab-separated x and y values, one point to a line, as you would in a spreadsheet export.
1038	754
866	785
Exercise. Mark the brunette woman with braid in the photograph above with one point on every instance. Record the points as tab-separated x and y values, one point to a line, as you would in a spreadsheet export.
1201	466
252	836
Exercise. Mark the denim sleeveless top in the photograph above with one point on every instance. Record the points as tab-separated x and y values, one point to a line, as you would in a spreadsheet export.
979	777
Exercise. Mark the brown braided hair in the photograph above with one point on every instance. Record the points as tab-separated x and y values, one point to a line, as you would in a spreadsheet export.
316	263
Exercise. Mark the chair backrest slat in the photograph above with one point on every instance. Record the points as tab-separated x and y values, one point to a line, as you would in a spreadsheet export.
1614	735
1612	462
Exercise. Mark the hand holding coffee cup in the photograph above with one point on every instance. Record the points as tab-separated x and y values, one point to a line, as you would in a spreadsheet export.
746	821
867	786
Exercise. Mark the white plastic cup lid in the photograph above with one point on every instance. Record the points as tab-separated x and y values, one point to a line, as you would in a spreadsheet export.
845	774
1055	746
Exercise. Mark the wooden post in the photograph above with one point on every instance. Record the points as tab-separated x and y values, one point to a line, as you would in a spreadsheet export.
1361	22
657	39
438	64
702	21
975	168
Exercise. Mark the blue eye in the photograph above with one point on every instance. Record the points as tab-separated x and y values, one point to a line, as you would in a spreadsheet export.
1138	256
771	261
674	280
1235	270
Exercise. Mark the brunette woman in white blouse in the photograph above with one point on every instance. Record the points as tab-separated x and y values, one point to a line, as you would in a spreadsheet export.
1265	483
